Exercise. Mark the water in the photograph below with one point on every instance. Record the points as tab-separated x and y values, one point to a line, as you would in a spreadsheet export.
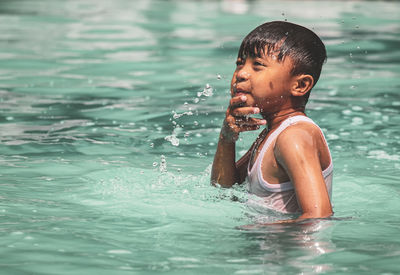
109	118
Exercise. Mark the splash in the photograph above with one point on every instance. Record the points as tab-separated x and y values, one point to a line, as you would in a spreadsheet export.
163	164
176	115
207	91
173	139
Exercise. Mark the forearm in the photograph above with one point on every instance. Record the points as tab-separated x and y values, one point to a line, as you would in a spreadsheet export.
304	217
301	220
224	171
308	216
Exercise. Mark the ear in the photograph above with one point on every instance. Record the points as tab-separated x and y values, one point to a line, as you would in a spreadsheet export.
302	84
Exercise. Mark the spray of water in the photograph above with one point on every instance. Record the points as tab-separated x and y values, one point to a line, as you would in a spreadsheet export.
173	137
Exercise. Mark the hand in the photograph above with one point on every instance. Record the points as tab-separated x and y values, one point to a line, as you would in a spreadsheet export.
238	119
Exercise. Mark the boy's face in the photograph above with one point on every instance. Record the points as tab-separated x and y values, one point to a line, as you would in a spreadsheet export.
264	81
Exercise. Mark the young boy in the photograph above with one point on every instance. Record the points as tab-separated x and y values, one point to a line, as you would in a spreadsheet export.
289	165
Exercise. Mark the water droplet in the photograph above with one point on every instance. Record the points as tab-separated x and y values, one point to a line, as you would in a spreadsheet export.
346	112
163	164
207	91
357	121
356	108
173	139
176	116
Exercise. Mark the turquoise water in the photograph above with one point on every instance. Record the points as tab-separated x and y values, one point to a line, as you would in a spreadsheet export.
109	117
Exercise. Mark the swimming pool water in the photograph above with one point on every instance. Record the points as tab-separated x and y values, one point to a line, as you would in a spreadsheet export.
109	118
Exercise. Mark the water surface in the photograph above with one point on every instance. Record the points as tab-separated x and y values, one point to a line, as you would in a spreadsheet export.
109	118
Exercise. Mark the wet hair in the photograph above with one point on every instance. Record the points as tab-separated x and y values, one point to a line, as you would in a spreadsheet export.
305	48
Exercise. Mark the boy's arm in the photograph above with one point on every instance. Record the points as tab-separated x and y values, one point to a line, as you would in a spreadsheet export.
225	171
296	150
235	173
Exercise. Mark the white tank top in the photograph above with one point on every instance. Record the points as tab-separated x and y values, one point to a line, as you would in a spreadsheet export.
281	197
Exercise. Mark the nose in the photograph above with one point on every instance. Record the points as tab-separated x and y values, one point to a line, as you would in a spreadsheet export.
242	74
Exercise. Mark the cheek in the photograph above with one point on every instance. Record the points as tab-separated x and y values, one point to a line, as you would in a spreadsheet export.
233	83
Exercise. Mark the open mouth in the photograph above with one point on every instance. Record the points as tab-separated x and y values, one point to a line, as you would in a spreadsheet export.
239	92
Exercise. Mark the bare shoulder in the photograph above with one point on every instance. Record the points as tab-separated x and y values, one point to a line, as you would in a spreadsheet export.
302	134
302	141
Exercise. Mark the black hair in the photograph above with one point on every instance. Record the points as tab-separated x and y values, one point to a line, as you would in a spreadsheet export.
305	48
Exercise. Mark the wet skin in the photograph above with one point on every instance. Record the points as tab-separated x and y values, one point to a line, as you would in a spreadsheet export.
264	85
261	85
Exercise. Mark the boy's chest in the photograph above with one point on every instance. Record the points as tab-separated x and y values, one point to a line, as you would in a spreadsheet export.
270	169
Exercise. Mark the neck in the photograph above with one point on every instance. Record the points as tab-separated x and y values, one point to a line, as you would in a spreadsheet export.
276	118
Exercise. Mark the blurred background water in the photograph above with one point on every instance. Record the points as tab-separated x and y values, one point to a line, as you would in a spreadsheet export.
109	118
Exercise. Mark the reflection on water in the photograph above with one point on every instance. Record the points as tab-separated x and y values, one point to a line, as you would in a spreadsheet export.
293	245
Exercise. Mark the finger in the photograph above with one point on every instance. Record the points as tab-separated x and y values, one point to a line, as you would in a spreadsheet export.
230	120
237	101
239	124
245	111
249	128
250	122
258	121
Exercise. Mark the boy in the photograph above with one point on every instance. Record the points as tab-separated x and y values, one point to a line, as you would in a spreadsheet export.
289	165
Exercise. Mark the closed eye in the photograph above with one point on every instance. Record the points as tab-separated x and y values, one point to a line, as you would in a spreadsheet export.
239	62
256	63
